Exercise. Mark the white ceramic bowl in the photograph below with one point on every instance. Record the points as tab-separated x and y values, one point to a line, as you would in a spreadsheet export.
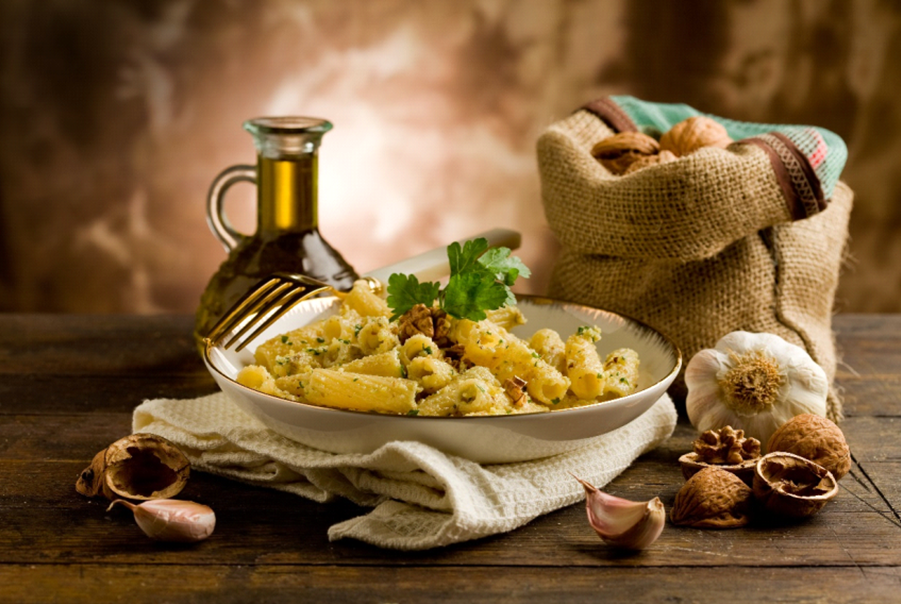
492	439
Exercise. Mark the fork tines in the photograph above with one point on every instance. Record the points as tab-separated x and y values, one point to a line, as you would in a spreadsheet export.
263	305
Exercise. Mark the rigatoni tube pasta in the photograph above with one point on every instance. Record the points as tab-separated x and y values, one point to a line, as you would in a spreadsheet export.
507	356
583	364
345	390
433	350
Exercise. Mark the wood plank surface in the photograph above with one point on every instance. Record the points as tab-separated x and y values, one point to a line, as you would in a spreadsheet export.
232	584
67	388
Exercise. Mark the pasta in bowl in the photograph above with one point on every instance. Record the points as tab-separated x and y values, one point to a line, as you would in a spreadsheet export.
530	381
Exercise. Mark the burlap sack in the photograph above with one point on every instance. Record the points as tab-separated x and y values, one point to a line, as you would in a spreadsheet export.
750	237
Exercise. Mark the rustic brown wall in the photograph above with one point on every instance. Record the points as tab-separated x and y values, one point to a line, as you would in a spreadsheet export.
115	116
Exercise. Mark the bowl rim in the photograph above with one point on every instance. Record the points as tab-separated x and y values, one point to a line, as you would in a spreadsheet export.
536	299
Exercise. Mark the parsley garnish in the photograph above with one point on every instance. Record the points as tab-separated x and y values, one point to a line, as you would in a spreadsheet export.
480	280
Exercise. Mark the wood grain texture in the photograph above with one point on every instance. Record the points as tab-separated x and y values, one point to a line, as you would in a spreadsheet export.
238	584
67	388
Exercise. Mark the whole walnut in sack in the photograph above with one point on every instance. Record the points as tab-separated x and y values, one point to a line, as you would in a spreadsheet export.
747	235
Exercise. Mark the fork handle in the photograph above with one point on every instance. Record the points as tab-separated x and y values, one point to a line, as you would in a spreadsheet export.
433	265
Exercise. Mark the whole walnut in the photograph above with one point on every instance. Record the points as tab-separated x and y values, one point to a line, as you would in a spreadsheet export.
694	133
713	498
618	152
664	157
815	438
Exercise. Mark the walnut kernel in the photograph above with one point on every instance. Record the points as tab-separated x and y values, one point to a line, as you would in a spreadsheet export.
417	320
515	387
430	322
726	448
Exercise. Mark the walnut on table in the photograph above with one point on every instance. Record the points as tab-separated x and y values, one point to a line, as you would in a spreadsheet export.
727	449
713	498
815	438
726	446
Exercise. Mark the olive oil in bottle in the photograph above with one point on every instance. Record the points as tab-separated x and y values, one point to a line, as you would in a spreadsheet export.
287	237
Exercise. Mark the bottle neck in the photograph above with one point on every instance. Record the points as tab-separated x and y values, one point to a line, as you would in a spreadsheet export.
287	194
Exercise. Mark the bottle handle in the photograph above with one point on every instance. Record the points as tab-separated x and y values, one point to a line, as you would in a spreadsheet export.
215	208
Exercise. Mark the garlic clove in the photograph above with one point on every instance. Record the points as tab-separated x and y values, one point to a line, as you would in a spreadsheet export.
172	519
628	524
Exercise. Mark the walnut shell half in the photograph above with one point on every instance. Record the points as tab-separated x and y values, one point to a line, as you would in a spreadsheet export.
692	464
138	467
815	438
712	498
790	485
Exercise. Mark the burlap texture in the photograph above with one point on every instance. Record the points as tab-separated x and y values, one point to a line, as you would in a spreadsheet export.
695	248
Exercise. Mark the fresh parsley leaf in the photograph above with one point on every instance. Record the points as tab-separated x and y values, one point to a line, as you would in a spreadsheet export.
469	295
505	267
465	259
405	292
480	280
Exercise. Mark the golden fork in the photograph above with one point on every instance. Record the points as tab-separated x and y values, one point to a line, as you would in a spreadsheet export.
269	300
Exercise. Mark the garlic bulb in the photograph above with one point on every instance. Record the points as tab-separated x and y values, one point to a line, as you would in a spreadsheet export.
754	382
172	519
629	524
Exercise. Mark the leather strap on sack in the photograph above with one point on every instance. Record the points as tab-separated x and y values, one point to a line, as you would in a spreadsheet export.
611	114
796	177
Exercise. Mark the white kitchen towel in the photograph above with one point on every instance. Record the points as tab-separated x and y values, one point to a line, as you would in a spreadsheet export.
422	498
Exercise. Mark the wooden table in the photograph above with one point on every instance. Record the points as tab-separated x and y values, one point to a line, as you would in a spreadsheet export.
68	385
